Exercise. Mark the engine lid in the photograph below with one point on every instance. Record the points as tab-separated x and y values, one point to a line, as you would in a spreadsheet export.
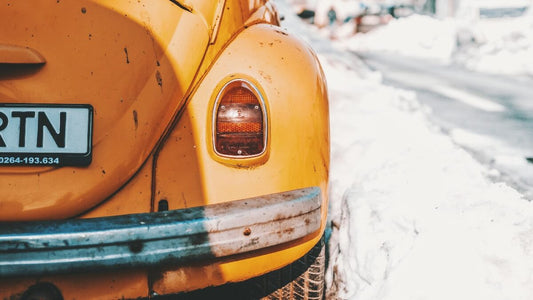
125	65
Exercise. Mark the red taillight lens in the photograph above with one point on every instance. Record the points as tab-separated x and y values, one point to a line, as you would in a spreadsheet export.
239	121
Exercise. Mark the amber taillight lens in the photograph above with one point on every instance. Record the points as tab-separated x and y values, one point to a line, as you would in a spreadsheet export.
239	121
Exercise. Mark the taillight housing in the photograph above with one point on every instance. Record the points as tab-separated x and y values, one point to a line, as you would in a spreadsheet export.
239	121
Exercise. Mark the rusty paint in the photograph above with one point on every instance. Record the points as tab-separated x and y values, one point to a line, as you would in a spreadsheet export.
288	231
135	119
127	57
247	231
266	76
159	79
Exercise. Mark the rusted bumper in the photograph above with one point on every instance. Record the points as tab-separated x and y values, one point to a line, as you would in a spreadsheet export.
158	239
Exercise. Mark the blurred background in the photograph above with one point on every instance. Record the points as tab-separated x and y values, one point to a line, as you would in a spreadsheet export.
431	113
469	61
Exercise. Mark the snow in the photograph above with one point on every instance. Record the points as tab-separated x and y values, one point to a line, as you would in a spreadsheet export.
500	46
492	45
417	36
413	215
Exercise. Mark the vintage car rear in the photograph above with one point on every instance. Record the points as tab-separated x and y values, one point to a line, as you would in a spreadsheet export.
159	147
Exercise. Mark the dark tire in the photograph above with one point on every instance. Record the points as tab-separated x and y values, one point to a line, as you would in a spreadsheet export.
303	279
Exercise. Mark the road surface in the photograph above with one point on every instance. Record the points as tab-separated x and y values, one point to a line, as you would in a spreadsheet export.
490	116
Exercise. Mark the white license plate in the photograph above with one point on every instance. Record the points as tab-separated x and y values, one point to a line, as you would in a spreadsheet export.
45	134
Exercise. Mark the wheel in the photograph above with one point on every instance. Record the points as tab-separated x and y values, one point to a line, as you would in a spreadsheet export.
303	279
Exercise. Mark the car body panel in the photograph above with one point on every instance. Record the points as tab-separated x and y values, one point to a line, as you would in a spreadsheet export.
178	166
215	179
127	61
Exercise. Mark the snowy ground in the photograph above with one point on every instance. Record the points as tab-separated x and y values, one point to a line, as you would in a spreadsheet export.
414	216
499	45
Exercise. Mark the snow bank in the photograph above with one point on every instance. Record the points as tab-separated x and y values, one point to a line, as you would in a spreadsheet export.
415	36
499	46
414	216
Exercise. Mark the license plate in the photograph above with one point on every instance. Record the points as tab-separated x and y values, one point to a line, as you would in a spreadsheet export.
45	134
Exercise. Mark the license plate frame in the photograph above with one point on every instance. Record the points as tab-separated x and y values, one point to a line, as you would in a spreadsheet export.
46	134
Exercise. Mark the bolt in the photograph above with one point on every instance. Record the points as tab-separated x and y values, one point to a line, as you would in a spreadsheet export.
247	231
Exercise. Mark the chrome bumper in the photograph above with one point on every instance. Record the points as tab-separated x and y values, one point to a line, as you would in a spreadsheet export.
158	239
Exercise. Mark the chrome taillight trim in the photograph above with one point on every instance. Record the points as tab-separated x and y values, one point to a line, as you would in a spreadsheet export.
261	99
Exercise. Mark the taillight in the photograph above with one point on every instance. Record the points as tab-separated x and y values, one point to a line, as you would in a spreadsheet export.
239	121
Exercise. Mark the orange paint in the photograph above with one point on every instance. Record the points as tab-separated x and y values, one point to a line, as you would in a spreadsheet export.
152	71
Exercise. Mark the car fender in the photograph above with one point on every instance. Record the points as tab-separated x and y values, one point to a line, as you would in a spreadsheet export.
189	173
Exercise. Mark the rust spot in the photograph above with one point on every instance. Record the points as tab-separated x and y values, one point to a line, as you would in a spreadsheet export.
159	79
288	231
83	10
281	32
127	57
265	76
247	231
135	119
307	221
103	171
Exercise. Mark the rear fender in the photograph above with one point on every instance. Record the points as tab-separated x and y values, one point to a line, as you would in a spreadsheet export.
189	173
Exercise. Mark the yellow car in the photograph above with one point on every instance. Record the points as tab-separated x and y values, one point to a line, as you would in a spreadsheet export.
162	147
